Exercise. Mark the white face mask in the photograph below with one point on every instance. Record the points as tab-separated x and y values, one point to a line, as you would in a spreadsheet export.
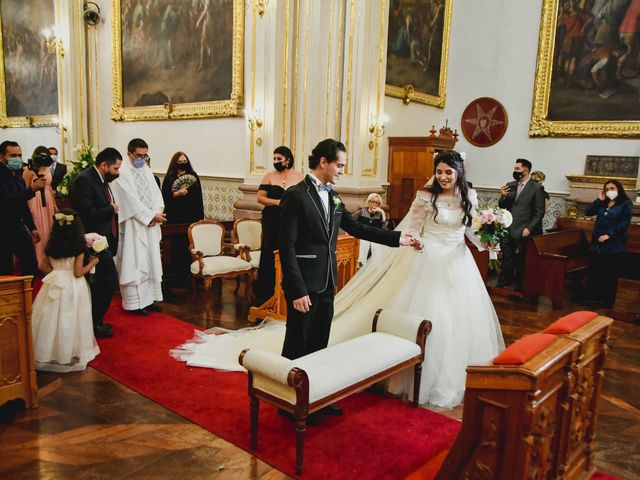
54	158
611	194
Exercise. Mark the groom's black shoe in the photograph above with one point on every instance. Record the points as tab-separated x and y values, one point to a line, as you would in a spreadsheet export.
141	311
103	331
332	409
153	308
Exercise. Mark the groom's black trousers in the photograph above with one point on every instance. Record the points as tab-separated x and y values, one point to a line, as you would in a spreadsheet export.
308	332
103	287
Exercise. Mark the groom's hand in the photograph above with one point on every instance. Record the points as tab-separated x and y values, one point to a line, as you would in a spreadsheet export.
302	304
408	240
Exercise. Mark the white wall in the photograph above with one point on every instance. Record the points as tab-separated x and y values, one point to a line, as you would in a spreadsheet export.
493	54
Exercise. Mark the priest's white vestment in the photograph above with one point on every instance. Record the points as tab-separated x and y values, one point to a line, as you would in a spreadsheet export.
138	260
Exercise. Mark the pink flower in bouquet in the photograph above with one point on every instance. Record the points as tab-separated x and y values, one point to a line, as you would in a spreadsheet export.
492	226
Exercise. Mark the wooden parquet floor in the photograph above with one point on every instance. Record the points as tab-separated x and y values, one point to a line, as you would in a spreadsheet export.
91	427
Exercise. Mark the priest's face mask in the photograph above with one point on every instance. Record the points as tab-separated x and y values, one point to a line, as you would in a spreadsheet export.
140	157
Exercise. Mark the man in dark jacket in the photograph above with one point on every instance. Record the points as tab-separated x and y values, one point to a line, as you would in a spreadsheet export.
91	197
19	232
524	198
311	214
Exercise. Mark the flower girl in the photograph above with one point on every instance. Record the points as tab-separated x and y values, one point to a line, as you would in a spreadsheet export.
62	325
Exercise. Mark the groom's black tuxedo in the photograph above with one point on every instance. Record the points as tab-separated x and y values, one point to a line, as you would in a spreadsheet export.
89	199
308	257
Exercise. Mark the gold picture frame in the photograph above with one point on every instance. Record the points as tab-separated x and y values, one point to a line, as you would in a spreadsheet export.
26	35
410	91
543	123
167	110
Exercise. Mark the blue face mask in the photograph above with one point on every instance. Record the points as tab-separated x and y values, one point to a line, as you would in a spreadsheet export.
139	162
15	164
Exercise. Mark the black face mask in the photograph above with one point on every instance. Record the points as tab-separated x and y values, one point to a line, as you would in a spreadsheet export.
517	175
279	166
110	177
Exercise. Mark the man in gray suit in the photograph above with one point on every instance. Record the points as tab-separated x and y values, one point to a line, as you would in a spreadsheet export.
524	198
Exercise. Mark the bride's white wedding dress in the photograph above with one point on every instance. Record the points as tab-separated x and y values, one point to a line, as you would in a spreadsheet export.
441	283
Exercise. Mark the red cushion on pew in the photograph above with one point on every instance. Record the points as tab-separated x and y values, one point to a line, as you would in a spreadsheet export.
570	323
524	349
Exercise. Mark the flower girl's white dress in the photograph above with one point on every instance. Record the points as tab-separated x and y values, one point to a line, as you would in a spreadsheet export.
62	324
442	283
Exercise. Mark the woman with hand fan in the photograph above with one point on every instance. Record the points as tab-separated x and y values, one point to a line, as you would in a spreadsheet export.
182	191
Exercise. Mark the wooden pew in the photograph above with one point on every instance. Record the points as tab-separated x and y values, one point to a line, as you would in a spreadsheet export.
537	419
276	307
631	263
549	258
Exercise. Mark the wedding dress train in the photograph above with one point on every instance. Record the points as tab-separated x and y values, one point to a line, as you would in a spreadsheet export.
441	283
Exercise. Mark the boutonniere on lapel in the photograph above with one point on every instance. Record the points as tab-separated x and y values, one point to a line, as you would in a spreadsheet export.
336	202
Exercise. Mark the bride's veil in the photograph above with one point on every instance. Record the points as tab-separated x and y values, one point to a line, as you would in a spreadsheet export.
219	348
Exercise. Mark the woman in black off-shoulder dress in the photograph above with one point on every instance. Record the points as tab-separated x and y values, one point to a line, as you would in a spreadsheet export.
270	192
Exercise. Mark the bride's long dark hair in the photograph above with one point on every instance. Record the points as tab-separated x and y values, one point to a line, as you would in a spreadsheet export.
455	161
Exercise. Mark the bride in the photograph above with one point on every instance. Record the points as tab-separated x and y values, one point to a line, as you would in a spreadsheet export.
441	283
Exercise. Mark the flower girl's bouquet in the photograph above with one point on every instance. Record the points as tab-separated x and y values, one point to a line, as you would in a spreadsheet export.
492	225
97	243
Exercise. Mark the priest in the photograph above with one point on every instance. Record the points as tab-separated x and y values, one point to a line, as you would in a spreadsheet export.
140	216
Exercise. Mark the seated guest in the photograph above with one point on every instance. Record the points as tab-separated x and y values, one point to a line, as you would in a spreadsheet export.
19	232
374	216
613	210
43	205
272	187
182	191
58	169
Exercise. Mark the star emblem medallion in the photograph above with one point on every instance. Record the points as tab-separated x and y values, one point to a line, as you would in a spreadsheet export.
484	122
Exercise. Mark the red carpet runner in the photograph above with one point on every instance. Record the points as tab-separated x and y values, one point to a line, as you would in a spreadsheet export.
377	438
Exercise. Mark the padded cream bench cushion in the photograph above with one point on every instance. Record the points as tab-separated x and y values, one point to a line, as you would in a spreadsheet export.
307	384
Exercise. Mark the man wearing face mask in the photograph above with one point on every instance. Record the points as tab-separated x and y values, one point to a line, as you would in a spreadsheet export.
140	216
58	170
19	232
524	198
92	198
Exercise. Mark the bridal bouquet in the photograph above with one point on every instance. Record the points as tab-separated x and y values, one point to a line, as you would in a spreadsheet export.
97	243
492	225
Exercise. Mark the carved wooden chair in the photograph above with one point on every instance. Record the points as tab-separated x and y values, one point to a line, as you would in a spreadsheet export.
247	236
206	245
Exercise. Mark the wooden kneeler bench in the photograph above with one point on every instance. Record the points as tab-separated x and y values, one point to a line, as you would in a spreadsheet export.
307	384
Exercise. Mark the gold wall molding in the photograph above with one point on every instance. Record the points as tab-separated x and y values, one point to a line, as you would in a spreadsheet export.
222	108
540	125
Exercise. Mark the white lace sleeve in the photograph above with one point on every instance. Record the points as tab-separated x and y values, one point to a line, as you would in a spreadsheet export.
418	213
469	232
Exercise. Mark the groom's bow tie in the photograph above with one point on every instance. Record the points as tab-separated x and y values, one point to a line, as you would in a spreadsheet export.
327	187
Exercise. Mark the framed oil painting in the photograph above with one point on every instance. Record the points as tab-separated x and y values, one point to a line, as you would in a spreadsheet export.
176	59
417	46
28	64
588	70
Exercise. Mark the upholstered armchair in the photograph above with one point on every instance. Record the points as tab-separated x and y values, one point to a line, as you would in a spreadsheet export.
247	234
206	245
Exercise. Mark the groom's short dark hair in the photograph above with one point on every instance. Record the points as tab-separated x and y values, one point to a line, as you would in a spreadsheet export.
328	149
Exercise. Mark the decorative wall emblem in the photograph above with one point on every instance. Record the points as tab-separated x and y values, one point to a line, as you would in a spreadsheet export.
484	122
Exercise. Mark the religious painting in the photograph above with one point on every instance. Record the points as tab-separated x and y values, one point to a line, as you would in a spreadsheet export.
177	59
611	166
484	122
417	46
588	69
28	63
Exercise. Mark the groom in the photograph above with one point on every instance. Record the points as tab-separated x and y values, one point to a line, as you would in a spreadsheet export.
311	214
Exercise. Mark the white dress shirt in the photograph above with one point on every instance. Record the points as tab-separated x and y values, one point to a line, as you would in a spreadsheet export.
324	195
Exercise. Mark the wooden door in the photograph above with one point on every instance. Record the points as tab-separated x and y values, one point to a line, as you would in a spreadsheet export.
410	166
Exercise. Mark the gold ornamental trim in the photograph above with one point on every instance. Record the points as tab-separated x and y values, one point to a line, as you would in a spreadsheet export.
230	107
408	93
598	179
540	125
